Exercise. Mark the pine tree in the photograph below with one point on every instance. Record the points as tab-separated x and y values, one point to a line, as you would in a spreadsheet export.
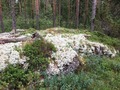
1	18
86	13
77	12
93	14
68	12
13	16
37	4
59	12
54	13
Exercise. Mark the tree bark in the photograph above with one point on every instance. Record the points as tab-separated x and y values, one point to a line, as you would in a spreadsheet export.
25	9
68	12
94	4
13	16
54	13
1	18
37	4
77	12
59	12
46	5
86	13
20	7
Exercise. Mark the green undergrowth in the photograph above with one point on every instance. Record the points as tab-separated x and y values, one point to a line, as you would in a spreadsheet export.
13	77
98	73
16	77
38	52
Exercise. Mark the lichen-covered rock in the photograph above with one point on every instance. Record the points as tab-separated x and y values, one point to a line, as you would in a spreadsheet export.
70	46
69	55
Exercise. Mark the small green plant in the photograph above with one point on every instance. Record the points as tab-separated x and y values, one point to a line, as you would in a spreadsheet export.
38	52
14	77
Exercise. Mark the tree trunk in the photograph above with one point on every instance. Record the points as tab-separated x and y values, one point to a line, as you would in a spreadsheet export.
59	12
25	9
86	13
13	16
54	13
46	5
93	14
68	12
20	7
77	13
1	19
33	9
37	3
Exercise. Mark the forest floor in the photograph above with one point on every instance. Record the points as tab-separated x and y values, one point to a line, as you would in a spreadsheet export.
92	55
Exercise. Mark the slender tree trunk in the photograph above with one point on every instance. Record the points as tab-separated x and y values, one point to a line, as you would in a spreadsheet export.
25	9
37	3
54	13
68	12
77	12
86	13
46	5
98	8
33	8
13	16
93	14
20	7
59	12
1	18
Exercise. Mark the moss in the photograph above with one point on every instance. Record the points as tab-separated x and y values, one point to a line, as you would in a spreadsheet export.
30	31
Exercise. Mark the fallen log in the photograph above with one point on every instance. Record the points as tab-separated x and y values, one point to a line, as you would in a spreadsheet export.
22	38
7	40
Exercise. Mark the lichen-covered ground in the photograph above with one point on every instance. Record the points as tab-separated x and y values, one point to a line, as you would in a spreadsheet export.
71	47
82	60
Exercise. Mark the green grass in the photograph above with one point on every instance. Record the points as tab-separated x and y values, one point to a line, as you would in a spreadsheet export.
98	74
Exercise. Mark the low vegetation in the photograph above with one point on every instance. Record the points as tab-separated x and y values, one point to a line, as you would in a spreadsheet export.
98	73
38	52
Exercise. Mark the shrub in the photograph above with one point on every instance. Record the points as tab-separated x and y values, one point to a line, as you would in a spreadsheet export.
14	77
38	52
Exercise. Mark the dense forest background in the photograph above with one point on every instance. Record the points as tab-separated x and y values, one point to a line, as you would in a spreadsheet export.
98	15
